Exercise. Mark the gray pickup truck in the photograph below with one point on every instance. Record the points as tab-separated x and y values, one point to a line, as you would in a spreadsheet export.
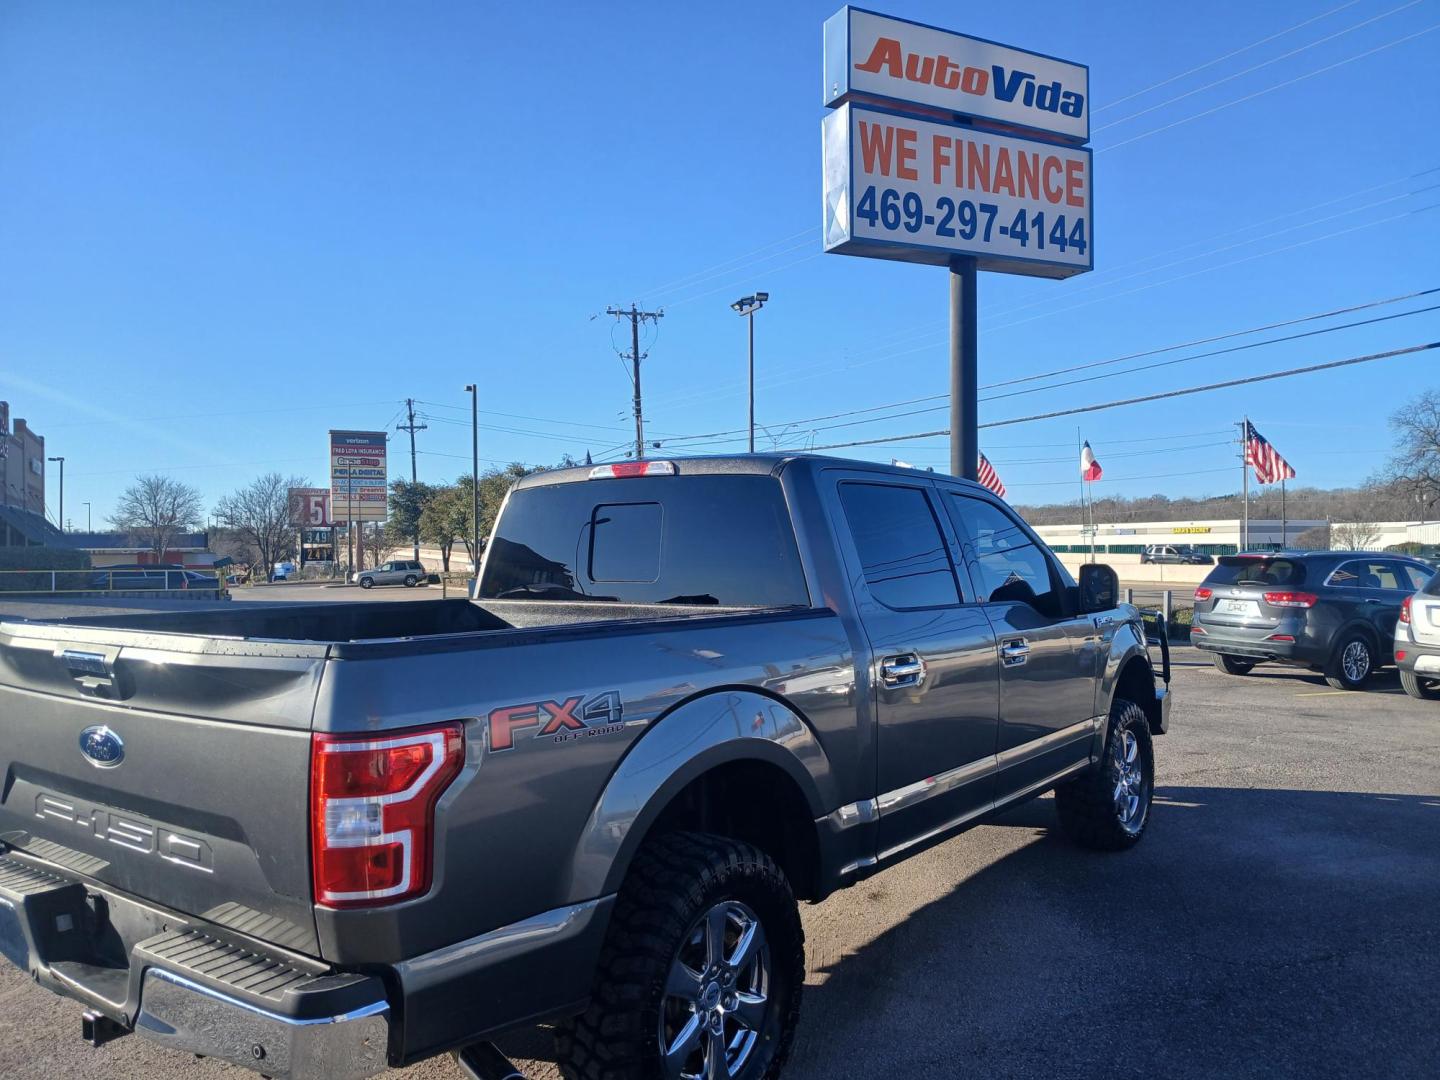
323	839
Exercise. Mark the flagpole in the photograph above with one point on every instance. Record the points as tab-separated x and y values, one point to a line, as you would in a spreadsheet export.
1245	482
1284	523
1078	453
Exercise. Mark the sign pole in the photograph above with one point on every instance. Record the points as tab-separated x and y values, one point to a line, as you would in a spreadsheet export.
964	407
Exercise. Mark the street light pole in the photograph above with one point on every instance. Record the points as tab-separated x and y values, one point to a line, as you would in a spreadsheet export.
746	307
474	390
62	491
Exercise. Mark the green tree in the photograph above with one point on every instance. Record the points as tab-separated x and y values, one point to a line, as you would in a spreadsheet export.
408	500
446	518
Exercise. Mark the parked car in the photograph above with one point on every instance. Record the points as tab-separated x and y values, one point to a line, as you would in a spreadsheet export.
1330	611
133	576
1175	553
323	839
283	571
1417	642
407	572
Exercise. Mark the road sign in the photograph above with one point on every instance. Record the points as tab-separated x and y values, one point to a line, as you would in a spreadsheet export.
357	476
924	191
878	59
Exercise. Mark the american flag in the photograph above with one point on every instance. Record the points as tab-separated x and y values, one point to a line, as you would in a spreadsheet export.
988	477
1269	465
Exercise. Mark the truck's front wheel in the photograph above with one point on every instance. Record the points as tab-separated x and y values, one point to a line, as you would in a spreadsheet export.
701	971
1108	807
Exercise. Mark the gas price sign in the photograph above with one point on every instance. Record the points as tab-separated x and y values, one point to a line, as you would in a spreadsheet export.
917	190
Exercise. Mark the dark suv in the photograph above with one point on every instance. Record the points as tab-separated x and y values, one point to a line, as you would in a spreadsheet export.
1330	611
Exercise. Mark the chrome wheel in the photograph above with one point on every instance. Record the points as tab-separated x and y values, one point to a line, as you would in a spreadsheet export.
717	995
1355	661
1127	771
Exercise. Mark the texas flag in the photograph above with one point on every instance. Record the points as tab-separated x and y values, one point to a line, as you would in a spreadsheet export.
1089	465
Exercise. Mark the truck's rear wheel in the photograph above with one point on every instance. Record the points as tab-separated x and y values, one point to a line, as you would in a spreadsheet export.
1108	807
701	971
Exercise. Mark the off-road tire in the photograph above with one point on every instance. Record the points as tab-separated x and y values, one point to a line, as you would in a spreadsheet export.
411	581
673	880
1232	665
366	583
1338	673
1087	805
1419	687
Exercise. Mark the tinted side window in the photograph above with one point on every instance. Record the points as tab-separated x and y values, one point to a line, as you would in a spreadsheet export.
902	550
1011	568
1418	576
687	539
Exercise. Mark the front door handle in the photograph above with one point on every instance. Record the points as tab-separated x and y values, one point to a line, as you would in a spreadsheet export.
907	669
1014	651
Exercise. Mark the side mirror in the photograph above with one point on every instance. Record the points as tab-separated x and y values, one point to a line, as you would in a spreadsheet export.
1099	588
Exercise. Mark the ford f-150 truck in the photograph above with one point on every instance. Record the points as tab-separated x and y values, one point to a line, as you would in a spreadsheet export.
323	839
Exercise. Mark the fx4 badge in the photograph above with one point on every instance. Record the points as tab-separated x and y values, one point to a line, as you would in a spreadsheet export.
560	721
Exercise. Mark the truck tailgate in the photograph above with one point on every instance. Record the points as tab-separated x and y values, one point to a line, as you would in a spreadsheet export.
174	768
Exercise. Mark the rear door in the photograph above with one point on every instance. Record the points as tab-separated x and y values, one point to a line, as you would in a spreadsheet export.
933	660
1372	591
171	767
1048	657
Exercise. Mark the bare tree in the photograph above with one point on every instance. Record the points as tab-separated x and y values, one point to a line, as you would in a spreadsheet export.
1414	468
1354	535
155	510
259	515
378	542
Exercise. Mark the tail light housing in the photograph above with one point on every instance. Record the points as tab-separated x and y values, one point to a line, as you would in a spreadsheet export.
1291	599
1204	592
372	812
1405	610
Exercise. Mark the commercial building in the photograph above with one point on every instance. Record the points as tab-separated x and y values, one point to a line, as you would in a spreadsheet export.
1213	536
22	465
190	550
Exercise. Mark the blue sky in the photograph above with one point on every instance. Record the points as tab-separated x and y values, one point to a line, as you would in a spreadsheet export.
227	228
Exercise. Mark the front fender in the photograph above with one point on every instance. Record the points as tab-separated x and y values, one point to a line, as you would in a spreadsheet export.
718	727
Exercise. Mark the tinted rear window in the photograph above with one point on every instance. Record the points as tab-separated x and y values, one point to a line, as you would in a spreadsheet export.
723	540
1246	570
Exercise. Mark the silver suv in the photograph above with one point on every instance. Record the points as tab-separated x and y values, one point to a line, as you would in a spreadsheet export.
405	572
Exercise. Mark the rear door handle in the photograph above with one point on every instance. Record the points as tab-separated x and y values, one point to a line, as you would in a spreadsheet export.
1014	651
906	669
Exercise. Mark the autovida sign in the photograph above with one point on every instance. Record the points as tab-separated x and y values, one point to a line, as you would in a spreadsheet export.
939	145
924	191
879	59
357	476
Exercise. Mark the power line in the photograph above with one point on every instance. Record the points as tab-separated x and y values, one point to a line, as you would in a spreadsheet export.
1257	67
685	280
1308	369
1228	56
1269	89
944	432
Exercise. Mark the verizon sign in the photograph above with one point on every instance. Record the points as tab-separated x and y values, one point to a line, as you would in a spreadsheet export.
879	59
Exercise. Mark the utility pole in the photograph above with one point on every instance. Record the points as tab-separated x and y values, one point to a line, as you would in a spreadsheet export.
636	317
412	427
87	517
474	390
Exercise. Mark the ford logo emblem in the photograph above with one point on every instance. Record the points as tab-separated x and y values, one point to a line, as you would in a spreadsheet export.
102	747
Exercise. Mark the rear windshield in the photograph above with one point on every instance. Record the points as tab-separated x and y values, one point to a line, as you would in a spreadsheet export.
713	540
1249	570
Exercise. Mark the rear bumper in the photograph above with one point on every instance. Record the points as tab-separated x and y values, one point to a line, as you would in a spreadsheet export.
1418	659
191	987
1256	644
151	972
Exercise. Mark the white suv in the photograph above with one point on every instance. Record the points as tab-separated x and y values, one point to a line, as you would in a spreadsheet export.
1417	642
405	572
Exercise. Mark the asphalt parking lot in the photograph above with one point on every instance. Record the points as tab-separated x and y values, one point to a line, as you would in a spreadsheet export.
1281	919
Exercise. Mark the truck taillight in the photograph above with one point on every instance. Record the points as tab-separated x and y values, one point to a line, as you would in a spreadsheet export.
1204	592
1291	599
622	469
372	812
1405	610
